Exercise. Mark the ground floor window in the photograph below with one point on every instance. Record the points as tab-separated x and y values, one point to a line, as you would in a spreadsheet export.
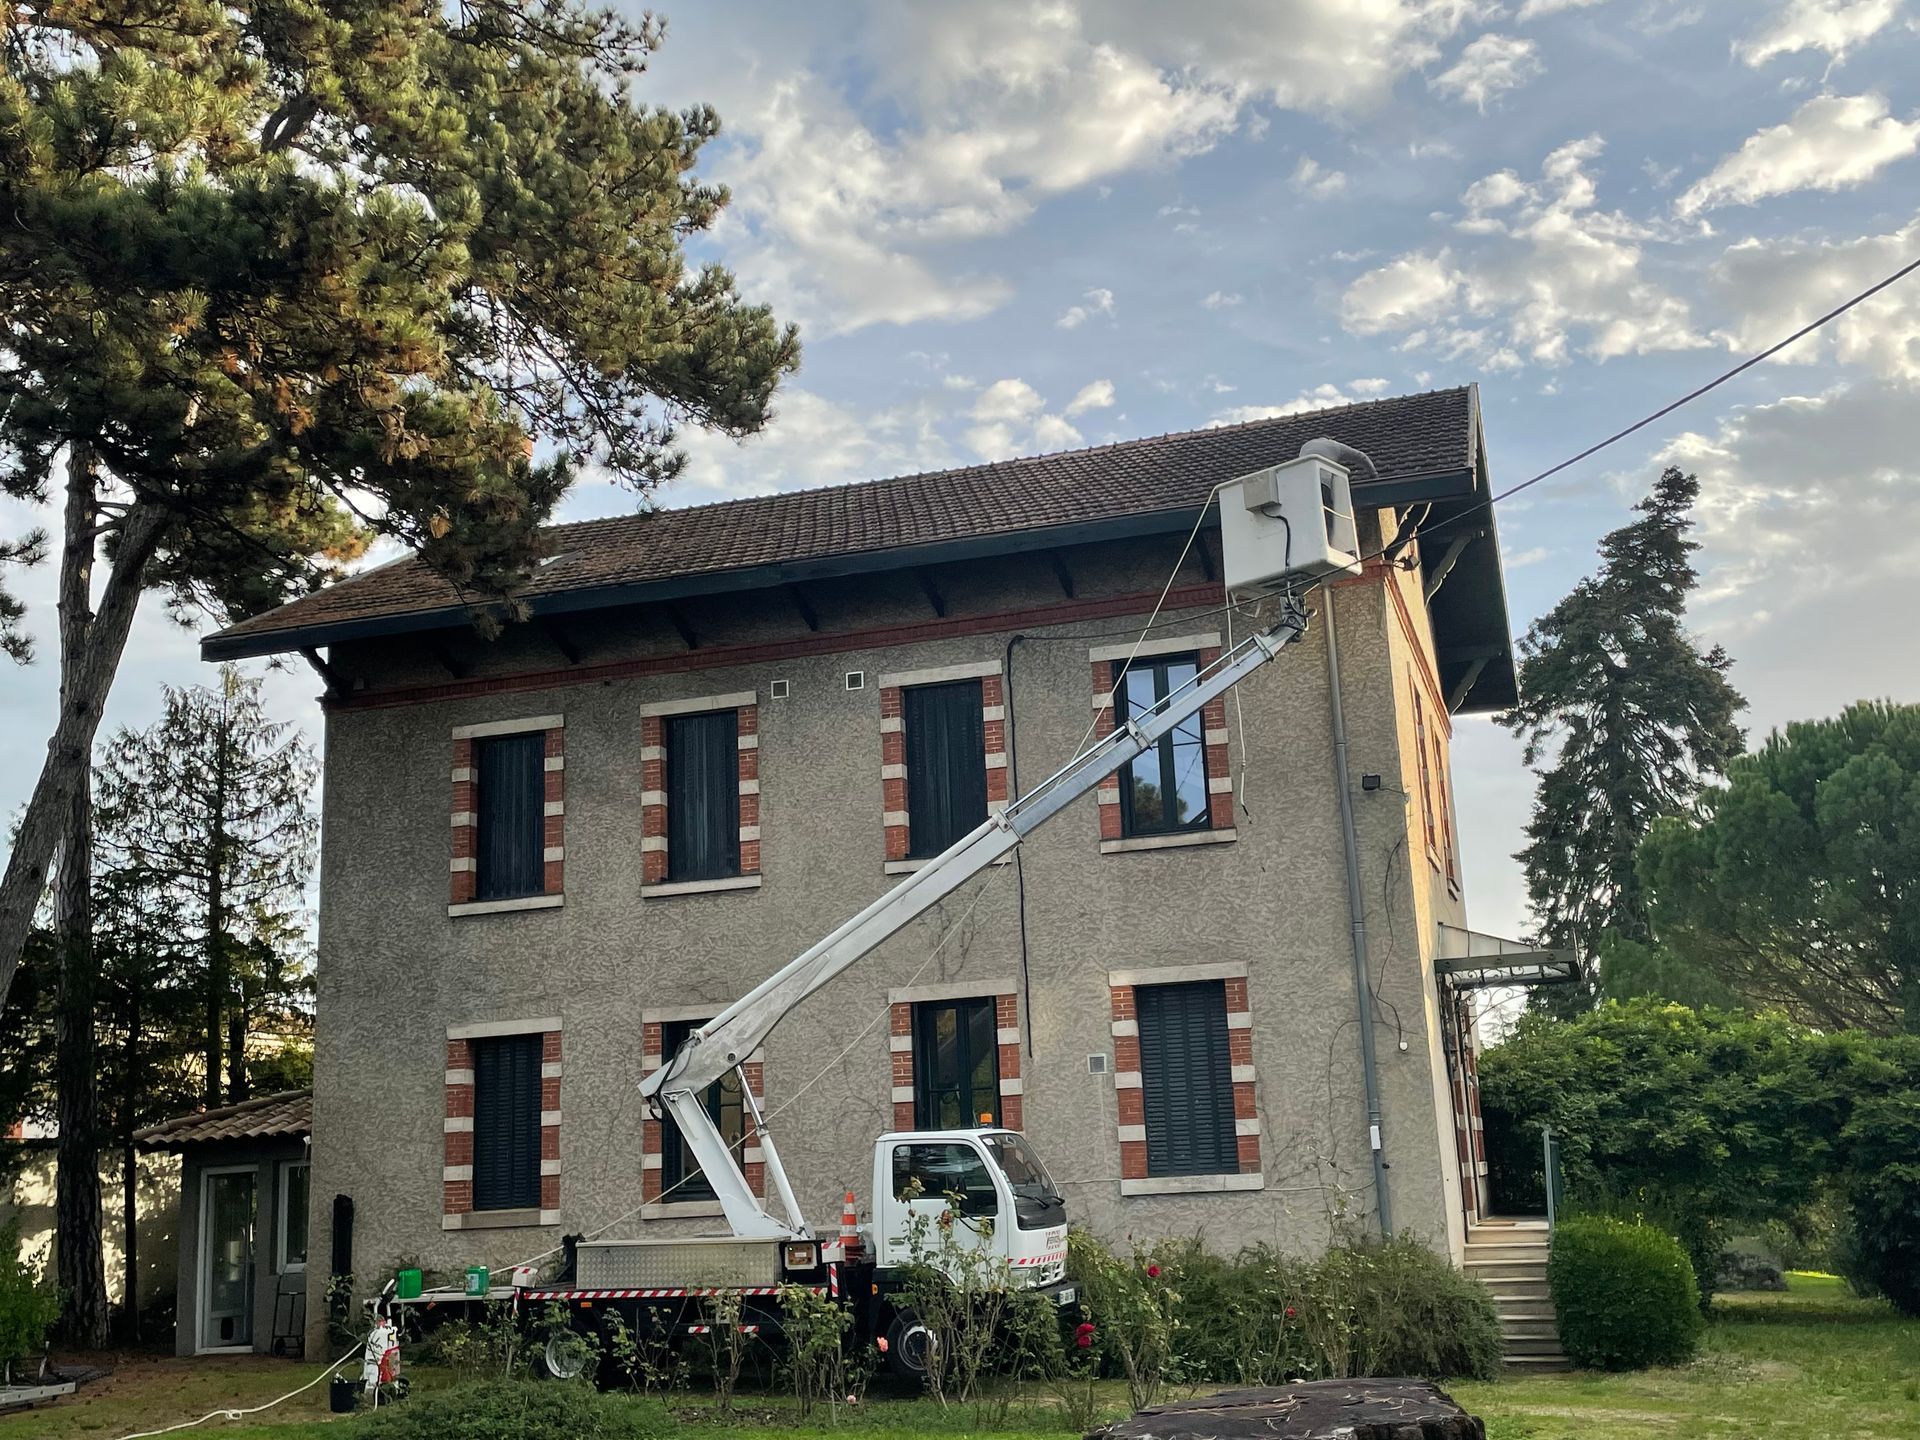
1186	1078
956	1057
680	1177
292	1242
506	1122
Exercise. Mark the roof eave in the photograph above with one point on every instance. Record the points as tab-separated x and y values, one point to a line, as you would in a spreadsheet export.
228	645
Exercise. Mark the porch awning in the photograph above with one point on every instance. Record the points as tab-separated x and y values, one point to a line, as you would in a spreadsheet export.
1474	960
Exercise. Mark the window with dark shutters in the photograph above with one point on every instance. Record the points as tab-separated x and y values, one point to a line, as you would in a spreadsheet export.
509	851
703	795
1186	1078
956	1061
506	1122
946	764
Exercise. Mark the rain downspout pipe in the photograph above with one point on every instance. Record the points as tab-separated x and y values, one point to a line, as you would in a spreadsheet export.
1356	907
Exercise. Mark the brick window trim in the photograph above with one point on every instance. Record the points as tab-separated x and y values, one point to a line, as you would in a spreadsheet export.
653	1130
1129	1098
456	1176
1006	1007
653	793
463	877
1205	648
895	815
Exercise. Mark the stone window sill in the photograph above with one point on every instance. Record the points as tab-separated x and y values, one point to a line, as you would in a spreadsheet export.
1168	842
699	887
1192	1184
907	867
682	1209
499	1219
507	907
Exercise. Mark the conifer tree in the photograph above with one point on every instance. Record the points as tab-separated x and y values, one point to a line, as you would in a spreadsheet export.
276	278
1625	717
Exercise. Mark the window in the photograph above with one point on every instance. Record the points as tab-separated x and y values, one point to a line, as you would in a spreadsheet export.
1445	819
295	1178
1164	791
506	1122
946	765
956	1064
1186	1079
944	1169
1426	776
510	771
680	1177
703	795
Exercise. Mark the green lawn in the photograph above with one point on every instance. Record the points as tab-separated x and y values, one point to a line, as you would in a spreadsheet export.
1810	1364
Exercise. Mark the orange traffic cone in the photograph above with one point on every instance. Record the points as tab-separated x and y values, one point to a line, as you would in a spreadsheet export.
850	1229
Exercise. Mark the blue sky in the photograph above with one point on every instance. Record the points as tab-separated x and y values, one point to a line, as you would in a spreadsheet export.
1007	228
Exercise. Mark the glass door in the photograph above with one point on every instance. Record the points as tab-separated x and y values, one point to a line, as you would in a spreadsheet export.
226	1259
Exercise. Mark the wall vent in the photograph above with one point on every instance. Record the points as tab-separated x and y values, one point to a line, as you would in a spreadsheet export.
1098	1064
778	689
856	679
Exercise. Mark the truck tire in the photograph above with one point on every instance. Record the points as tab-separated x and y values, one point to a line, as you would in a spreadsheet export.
909	1343
567	1355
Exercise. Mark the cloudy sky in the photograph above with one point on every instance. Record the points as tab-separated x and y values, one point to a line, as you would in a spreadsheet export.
1010	227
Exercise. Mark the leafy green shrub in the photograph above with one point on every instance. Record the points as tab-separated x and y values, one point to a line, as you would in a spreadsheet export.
1624	1294
27	1307
1393	1307
511	1410
1883	1139
1743	1270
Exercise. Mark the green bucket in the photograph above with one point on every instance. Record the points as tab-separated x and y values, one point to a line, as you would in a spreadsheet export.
477	1281
408	1284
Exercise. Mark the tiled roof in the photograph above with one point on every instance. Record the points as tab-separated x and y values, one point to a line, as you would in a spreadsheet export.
290	1112
1408	437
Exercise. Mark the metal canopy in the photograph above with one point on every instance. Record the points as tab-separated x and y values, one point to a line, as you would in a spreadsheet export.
1473	960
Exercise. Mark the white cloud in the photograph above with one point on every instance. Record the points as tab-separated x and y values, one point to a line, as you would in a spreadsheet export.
810	441
1830	143
1051	432
1487	69
1536	8
1321	397
1835	26
1094	302
1094	395
1008	400
1548	271
1221	300
1774	287
1310	180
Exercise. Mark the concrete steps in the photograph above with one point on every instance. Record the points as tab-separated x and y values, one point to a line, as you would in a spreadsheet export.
1510	1257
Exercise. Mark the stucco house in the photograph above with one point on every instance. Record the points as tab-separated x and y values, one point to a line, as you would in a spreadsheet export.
726	728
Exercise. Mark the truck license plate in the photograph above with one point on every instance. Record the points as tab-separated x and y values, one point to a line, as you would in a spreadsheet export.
1066	1296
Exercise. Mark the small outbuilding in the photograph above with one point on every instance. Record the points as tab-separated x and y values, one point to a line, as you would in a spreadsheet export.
244	1187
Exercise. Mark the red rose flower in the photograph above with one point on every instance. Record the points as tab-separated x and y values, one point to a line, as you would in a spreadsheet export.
1291	1312
1083	1336
1153	1272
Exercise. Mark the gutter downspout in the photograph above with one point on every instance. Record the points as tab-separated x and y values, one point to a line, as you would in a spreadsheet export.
1362	984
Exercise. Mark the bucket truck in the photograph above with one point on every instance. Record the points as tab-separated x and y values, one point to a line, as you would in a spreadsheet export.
1283	528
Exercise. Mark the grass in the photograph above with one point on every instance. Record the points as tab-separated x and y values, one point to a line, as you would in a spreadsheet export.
1805	1365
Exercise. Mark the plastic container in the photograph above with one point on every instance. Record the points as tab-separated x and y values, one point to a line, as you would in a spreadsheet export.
409	1284
343	1394
478	1281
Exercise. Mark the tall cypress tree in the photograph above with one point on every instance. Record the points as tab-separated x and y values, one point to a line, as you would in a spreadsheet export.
1625	718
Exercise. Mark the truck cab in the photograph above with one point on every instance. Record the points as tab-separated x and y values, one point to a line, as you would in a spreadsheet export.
986	1188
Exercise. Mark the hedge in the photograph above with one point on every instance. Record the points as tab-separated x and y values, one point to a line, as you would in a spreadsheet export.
1624	1294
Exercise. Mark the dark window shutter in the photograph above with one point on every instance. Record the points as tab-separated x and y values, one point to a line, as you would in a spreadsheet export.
703	795
506	1123
510	850
946	765
1186	1079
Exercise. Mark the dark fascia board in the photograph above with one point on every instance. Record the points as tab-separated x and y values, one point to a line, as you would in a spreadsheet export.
1411	490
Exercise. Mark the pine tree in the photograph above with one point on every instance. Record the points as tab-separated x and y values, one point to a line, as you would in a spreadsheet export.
209	813
280	277
1625	718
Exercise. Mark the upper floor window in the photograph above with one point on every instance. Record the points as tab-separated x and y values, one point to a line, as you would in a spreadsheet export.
1186	1078
506	1122
946	764
510	800
1165	790
703	795
956	1064
680	1177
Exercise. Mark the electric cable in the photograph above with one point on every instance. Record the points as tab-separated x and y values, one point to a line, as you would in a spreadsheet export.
231	1412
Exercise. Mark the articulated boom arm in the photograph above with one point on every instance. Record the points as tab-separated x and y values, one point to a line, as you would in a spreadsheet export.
734	1034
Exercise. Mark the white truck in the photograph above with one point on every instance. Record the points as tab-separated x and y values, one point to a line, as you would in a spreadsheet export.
1283	529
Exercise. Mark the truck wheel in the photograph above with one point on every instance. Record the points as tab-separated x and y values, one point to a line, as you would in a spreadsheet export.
566	1356
911	1345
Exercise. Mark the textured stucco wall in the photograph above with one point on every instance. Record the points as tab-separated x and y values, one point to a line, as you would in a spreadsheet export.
395	971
